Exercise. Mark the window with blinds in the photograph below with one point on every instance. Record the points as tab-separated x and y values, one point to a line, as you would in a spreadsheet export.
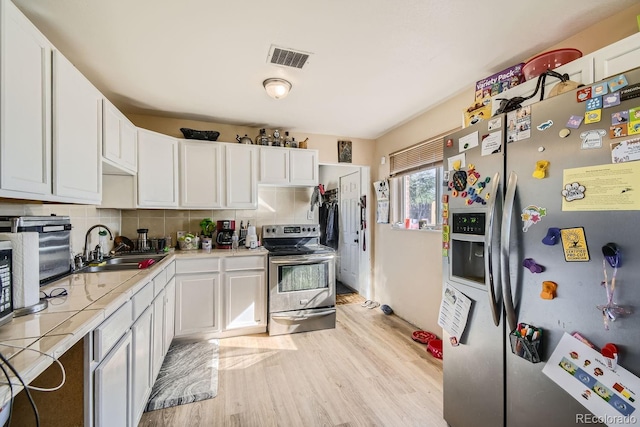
416	174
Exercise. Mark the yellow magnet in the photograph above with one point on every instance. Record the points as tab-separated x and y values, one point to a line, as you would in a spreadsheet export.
487	196
471	167
454	193
456	165
541	169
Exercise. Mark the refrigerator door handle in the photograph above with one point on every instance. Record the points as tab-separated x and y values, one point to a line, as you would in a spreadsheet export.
488	260
505	240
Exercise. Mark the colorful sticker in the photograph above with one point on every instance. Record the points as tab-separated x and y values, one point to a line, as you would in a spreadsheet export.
573	191
611	100
583	94
592	116
633	128
592	138
619	117
634	114
545	125
599	89
595	103
617	83
574	244
618	131
575	122
532	215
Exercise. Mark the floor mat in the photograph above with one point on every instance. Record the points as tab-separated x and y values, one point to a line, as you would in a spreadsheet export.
188	374
342	289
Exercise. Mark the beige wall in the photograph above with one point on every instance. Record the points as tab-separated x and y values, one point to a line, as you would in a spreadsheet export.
408	264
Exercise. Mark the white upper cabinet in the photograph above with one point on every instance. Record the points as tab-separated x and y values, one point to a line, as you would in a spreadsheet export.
288	166
303	167
157	170
274	165
617	57
25	108
77	135
201	176
241	176
119	144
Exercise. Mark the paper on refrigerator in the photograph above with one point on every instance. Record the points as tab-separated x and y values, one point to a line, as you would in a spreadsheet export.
454	311
613	396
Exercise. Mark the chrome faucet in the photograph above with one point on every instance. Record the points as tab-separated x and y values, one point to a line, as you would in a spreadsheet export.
87	250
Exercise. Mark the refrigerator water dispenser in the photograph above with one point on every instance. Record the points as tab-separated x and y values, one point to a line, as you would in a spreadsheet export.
467	253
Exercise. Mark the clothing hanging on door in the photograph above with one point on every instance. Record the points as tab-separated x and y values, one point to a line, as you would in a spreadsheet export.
329	220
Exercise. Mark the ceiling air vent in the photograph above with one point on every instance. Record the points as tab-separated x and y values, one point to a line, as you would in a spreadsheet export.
287	57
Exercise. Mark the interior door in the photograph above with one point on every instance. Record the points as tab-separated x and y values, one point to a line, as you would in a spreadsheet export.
349	244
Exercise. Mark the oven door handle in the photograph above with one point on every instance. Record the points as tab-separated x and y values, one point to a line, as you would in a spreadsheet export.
304	259
304	316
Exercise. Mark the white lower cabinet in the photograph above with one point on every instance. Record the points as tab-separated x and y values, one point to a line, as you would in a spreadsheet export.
169	313
158	333
244	299
125	352
142	335
112	393
197	302
221	297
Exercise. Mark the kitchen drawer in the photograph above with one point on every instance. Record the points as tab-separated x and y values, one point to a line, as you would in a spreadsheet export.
199	265
171	270
111	330
159	282
244	263
142	299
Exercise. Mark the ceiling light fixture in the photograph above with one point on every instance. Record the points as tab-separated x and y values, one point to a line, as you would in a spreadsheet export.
277	88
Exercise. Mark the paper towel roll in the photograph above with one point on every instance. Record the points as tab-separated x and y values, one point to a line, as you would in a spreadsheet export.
25	267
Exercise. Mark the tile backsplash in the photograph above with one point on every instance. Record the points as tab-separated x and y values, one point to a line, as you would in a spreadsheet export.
276	205
82	218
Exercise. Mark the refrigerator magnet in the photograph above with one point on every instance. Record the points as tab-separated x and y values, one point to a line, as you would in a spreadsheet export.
629	92
592	138
583	94
618	131
574	122
611	100
633	128
595	103
617	83
592	116
545	125
573	191
532	215
599	89
574	244
619	117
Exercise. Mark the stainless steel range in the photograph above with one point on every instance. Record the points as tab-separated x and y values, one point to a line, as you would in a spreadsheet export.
302	281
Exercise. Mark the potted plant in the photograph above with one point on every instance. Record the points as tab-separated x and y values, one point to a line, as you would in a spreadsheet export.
208	227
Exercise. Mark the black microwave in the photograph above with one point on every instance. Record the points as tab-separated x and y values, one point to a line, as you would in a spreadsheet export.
6	296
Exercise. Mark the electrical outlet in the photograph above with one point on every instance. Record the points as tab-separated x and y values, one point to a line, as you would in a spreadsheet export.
309	214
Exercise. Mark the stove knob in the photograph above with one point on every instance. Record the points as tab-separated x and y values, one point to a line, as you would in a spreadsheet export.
304	229
314	229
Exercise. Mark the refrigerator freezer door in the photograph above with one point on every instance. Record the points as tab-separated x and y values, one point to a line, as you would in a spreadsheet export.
532	398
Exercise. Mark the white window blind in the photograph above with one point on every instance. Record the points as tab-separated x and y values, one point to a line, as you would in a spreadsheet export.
423	154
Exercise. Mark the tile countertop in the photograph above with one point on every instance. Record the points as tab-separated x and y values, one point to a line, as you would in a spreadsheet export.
90	299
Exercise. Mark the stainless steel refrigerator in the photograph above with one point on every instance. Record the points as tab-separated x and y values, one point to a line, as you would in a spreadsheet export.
515	194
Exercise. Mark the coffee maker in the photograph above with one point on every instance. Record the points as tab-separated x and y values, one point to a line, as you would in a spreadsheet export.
224	236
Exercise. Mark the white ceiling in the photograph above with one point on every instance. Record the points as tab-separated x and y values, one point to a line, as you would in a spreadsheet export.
375	63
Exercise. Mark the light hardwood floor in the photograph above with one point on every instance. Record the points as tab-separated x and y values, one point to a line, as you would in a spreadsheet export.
365	372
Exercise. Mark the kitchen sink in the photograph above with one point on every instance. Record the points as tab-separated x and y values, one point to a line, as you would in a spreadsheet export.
123	262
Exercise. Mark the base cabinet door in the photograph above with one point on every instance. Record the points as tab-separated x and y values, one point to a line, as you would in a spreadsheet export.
158	334
112	380
244	295
197	299
141	333
169	313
